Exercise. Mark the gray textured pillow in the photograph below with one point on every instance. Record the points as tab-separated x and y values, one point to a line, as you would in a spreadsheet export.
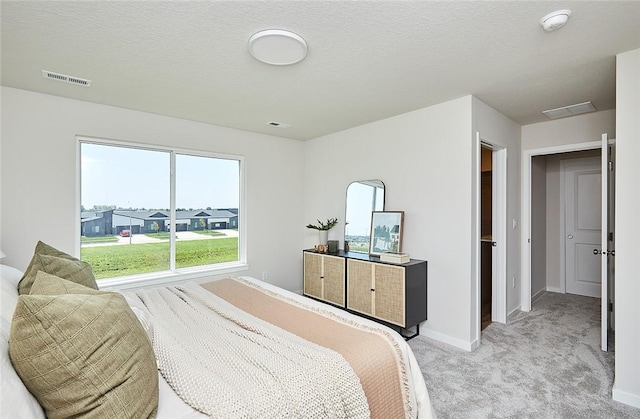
83	354
73	270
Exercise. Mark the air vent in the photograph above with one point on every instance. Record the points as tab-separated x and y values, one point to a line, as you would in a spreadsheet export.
66	79
570	110
278	124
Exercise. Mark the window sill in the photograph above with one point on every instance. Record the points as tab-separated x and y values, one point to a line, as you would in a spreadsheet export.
164	278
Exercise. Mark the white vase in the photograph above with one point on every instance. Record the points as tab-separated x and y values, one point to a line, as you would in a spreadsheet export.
324	237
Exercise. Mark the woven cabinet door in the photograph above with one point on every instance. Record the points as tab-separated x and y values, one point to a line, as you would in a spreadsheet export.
333	273
390	294
312	275
359	285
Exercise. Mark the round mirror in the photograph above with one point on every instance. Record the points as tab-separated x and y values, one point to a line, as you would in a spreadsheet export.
363	197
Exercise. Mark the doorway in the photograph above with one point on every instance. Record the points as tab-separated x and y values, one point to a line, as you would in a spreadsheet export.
490	255
486	237
554	272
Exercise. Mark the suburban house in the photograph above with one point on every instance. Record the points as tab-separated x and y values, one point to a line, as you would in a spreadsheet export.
101	223
386	92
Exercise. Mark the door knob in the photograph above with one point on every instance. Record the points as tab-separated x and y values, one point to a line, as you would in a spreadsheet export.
570	236
597	252
494	244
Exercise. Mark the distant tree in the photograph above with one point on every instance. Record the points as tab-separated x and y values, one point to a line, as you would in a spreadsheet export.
156	227
209	208
104	207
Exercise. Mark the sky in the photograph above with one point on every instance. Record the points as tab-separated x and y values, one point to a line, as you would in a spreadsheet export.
137	178
359	207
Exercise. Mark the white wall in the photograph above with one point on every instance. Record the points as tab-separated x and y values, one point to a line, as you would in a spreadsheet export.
627	289
500	131
38	170
538	225
576	129
426	161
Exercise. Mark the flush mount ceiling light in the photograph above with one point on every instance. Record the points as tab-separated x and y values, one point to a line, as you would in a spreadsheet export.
555	20
570	110
277	47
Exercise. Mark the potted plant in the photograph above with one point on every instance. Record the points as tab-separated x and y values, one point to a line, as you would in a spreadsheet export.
323	228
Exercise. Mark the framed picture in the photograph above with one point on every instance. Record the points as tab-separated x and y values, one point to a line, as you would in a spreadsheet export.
386	232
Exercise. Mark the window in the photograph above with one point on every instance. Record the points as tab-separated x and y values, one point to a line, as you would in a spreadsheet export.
149	221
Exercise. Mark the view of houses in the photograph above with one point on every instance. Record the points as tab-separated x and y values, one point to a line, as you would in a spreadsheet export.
113	221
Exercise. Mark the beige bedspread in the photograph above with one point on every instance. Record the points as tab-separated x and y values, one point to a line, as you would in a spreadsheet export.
227	363
372	353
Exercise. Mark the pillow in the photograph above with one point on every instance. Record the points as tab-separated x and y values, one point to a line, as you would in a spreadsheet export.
142	313
82	354
14	397
8	296
70	269
47	284
44	249
10	274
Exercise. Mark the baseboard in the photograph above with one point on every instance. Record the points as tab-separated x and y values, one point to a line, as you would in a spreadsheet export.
441	337
513	311
626	398
538	295
554	289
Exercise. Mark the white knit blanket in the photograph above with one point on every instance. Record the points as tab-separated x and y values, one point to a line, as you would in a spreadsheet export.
229	364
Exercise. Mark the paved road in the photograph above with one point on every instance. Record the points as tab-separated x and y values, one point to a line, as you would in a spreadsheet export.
181	235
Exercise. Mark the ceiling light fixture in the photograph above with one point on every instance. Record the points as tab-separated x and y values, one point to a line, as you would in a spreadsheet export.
555	20
571	110
277	47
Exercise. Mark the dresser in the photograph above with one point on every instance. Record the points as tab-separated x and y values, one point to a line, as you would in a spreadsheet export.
395	295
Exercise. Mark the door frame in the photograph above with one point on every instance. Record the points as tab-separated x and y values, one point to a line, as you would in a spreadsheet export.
499	232
525	257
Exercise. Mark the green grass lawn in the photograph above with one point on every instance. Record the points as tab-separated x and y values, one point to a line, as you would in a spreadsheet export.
120	260
99	239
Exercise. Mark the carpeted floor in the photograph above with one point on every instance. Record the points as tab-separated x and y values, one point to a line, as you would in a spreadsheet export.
544	364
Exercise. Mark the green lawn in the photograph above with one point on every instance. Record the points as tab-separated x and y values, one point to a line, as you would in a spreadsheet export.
99	239
120	260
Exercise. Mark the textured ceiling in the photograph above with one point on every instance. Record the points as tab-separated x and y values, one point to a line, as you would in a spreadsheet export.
367	60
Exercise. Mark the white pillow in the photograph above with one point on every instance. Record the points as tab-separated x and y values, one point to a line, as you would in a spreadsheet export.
11	274
9	278
15	397
141	312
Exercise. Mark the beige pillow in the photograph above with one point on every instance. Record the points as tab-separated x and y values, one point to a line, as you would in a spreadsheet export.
70	269
83	354
48	284
44	249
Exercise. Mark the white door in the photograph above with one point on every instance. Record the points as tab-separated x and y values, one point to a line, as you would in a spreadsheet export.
607	238
583	221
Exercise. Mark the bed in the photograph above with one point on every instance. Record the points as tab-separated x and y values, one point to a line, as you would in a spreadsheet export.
266	352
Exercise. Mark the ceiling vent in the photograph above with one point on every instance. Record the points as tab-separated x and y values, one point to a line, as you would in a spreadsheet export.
66	79
570	110
278	124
